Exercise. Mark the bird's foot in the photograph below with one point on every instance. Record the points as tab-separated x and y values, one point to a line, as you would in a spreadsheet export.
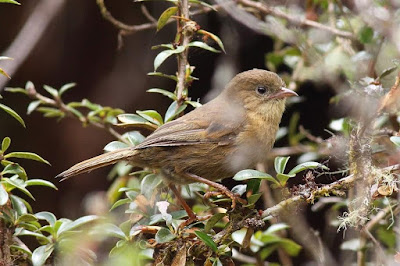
233	196
193	219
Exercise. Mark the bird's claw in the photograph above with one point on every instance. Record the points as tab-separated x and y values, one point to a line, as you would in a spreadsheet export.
233	196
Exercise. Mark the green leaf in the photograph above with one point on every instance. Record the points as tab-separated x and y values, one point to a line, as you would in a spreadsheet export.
15	169
193	103
214	37
13	114
32	106
51	112
152	116
20	205
5	144
253	198
165	16
40	182
283	178
174	110
3	195
19	184
26	218
41	254
207	240
115	145
204	46
51	90
387	72
307	165
10	1
169	94
112	230
161	57
217	262
291	247
21	249
164	235
148	184
24	232
134	137
253	185
366	34
26	155
16	90
65	88
120	202
265	252
250	174
68	226
395	140
135	120
163	45
47	216
276	227
212	221
159	74
4	73
280	164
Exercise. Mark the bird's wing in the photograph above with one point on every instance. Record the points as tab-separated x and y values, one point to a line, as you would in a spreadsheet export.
195	127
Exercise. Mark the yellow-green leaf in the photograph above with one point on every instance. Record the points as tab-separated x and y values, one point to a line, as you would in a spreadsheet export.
165	16
13	114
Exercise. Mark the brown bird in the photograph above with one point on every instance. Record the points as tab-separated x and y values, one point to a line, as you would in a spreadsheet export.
233	132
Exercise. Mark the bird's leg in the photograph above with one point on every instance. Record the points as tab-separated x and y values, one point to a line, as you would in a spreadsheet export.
192	216
224	190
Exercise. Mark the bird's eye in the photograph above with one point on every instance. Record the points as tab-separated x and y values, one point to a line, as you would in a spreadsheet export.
261	90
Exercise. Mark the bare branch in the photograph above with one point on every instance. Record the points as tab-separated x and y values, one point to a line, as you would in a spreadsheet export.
267	10
30	34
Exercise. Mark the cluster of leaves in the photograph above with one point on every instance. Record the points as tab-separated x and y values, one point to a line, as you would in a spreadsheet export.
17	216
86	111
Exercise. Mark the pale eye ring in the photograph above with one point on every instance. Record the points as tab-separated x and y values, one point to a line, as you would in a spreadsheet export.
261	90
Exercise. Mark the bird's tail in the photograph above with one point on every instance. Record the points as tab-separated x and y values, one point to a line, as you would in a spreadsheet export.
98	162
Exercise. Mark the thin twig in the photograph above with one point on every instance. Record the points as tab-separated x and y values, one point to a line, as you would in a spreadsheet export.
126	29
267	10
147	14
58	103
322	191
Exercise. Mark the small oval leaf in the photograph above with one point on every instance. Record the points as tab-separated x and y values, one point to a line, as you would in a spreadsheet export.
115	145
161	57
26	155
41	254
280	164
165	16
307	165
5	144
3	195
164	235
207	240
204	46
13	114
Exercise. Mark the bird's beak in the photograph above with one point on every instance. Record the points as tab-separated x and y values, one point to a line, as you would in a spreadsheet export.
283	93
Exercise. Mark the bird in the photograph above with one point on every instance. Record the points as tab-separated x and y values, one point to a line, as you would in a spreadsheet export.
232	132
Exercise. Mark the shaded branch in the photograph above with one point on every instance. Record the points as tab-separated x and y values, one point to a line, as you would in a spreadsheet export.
320	192
267	10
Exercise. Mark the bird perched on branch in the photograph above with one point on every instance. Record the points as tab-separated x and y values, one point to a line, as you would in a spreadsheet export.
233	132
